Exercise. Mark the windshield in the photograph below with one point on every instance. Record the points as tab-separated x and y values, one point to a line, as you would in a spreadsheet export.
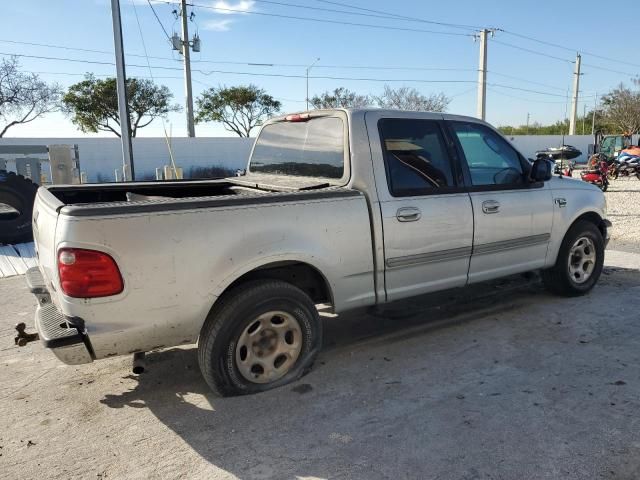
314	148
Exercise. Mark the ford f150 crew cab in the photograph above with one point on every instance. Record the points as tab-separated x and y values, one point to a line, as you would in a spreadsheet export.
350	208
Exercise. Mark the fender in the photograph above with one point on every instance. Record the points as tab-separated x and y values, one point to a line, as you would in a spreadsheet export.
572	201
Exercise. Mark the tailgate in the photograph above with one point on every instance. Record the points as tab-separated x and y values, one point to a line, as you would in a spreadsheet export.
45	218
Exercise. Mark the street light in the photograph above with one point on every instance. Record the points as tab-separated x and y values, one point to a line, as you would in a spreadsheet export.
308	70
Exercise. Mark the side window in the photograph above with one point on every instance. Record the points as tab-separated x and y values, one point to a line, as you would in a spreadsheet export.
415	156
491	160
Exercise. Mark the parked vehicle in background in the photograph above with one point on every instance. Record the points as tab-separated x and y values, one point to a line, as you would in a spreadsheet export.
610	146
350	208
597	175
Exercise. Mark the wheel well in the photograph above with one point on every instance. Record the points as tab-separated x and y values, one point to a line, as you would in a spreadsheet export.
299	274
594	218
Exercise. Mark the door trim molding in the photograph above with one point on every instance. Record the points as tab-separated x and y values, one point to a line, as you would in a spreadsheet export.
502	245
462	252
431	257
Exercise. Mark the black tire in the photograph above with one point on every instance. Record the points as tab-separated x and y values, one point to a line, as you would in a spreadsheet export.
604	186
19	193
558	278
234	313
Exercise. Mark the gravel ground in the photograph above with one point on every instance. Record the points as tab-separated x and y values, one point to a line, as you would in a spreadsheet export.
501	381
623	209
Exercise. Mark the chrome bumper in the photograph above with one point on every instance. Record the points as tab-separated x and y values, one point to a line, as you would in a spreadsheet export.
66	337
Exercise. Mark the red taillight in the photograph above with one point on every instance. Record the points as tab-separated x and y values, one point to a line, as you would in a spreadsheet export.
88	273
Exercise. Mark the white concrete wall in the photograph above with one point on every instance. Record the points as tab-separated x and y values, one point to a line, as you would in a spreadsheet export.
103	155
529	144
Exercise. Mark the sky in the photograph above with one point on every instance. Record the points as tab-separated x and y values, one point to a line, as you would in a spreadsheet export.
525	77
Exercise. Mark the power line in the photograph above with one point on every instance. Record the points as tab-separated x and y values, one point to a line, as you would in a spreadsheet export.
526	80
280	75
526	99
210	72
402	17
322	20
158	19
78	49
525	90
249	63
563	47
536	52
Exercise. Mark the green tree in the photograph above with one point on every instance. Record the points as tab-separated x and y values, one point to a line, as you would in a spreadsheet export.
93	104
23	96
561	127
621	107
240	109
340	98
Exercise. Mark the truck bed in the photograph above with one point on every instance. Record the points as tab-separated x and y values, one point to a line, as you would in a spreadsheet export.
177	254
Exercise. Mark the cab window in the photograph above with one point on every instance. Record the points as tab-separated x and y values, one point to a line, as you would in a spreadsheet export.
415	155
490	158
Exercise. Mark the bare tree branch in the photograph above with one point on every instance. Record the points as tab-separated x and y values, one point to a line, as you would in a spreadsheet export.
24	97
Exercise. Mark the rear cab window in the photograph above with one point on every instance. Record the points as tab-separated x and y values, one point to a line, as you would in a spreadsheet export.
305	147
416	157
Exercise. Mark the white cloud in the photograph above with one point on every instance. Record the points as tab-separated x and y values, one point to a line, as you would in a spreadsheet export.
231	8
217	25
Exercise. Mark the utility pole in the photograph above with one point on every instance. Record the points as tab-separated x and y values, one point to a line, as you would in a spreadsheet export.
528	114
186	57
121	84
593	116
482	73
308	70
574	101
584	114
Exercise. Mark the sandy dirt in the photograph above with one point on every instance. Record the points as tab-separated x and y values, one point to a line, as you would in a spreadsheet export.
500	381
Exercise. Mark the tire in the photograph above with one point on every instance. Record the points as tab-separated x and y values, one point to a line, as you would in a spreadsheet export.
19	193
604	186
227	333
560	279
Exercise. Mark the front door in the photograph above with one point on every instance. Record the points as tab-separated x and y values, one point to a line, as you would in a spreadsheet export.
512	216
426	213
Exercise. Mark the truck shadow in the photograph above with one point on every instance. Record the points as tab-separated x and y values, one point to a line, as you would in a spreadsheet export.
332	421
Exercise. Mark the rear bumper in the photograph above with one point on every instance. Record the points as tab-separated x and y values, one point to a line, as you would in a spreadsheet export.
66	337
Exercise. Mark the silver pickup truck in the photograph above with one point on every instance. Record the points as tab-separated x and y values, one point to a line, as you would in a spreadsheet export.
350	208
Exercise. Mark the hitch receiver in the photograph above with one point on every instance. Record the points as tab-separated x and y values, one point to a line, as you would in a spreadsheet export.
23	337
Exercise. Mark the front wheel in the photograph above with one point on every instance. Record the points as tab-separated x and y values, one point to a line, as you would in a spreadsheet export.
259	336
579	263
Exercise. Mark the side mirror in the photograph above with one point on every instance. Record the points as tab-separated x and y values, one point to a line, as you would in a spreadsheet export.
541	170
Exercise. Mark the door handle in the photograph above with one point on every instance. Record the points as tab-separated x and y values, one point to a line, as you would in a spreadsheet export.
490	206
408	214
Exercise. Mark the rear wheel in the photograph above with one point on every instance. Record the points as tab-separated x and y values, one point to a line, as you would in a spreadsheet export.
259	336
17	195
579	263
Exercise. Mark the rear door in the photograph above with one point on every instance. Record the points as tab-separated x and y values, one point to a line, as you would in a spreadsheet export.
512	216
426	212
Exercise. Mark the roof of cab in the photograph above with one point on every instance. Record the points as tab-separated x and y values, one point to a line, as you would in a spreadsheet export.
382	111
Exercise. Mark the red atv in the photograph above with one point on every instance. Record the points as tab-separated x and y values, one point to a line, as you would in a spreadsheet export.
597	173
